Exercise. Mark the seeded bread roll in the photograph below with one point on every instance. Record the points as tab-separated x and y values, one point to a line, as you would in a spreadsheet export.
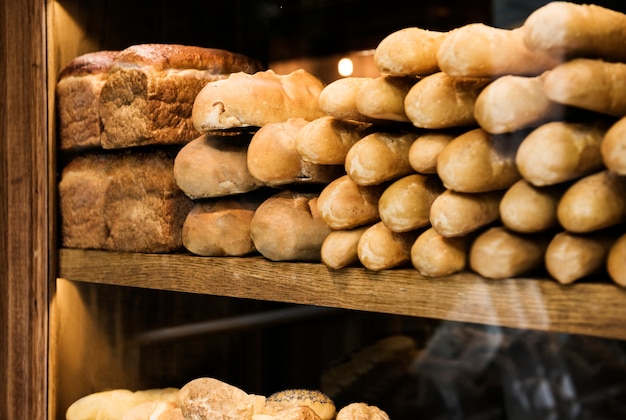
208	398
425	150
613	147
339	249
361	411
616	261
379	248
435	255
409	51
319	402
338	98
382	98
253	100
454	214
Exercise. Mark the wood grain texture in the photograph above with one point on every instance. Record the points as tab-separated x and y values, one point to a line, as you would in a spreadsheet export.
585	308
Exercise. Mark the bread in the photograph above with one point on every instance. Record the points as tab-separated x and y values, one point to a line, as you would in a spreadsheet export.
560	151
594	202
424	151
480	50
380	248
382	98
326	140
380	157
440	101
214	166
300	412
272	157
409	51
339	249
434	255
566	30
338	98
288	227
123	201
615	261
512	103
316	400
343	204
454	214
208	398
253	100
149	94
590	84
477	161
405	203
77	94
361	411
154	410
613	147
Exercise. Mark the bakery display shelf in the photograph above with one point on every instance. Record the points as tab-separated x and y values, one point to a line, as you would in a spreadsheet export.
590	308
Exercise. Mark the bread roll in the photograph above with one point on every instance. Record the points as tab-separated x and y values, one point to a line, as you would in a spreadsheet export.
254	100
288	227
326	140
560	151
214	166
319	402
434	255
339	249
499	253
477	161
209	398
343	204
300	412
154	410
570	256
613	147
382	98
272	157
454	214
409	51
566	30
361	411
479	50
593	202
405	204
443	101
594	85
616	260
380	248
526	208
379	157
512	103
425	150
338	98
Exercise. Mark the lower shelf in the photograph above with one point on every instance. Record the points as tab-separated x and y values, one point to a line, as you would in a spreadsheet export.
590	308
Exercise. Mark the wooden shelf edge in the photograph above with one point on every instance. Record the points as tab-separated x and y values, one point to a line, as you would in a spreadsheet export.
597	309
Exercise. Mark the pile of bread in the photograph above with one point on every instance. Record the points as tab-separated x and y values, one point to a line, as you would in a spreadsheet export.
500	151
209	398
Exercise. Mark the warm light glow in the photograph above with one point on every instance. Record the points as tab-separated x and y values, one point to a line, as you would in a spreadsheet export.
345	67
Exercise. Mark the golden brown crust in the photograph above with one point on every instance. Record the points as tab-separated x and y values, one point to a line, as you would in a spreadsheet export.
91	63
616	259
613	147
340	247
454	214
209	398
434	255
361	411
320	403
409	51
382	98
379	248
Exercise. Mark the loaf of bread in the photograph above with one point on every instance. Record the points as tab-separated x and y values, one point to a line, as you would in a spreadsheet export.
122	201
613	147
253	100
78	94
382	98
480	50
339	249
380	248
154	410
361	411
272	157
316	400
214	166
149	94
560	151
424	152
338	98
435	255
409	51
443	101
616	259
454	214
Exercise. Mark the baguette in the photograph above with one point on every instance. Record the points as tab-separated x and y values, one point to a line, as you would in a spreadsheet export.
613	147
425	151
339	249
435	255
409	51
379	248
382	98
560	151
616	261
338	99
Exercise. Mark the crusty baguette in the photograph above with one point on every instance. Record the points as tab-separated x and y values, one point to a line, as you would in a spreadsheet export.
379	248
434	255
616	261
560	151
443	101
338	98
589	84
594	202
477	161
454	214
570	256
380	157
425	150
339	249
382	98
566	30
480	50
512	103
613	147
409	51
405	203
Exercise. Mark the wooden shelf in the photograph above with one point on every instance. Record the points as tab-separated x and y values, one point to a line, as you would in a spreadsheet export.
590	308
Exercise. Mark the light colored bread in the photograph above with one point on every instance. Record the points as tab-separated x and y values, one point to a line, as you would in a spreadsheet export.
382	98
272	157
454	214
434	255
594	202
512	103
613	147
409	51
214	166
405	203
380	248
343	204
149	94
316	400
300	412
338	98
154	410
380	157
480	50
425	150
208	398
477	161
339	249
442	101
560	151
616	261
254	100
123	201
288	227
361	411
